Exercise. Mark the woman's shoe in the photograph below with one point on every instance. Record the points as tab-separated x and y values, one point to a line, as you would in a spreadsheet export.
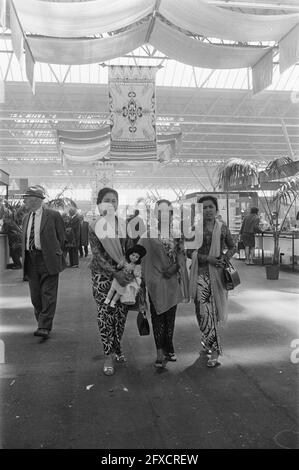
213	362
108	370
160	363
171	357
120	358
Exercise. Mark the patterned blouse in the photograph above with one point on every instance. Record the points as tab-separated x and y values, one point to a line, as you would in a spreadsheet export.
101	262
226	242
173	245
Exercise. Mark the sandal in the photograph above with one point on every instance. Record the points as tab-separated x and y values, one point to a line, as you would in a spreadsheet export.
171	357
108	370
160	363
120	358
213	363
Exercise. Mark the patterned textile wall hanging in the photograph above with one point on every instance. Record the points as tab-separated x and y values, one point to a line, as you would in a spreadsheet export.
132	101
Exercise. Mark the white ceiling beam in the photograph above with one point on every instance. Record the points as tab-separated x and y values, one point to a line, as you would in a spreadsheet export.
66	74
31	120
250	134
292	8
212	183
200	146
45	114
54	74
287	139
270	142
198	179
207	133
8	67
215	156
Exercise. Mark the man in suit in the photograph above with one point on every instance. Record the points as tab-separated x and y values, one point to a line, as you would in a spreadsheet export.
43	242
84	228
74	223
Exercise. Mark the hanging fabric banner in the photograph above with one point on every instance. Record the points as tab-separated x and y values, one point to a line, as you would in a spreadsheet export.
262	73
30	64
3	13
289	49
63	19
17	37
132	103
90	145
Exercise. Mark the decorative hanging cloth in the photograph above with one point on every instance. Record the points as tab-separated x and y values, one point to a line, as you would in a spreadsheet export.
132	111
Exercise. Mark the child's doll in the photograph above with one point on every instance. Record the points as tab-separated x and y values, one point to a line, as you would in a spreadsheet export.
132	273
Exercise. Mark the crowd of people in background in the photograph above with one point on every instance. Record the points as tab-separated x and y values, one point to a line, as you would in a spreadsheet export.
76	234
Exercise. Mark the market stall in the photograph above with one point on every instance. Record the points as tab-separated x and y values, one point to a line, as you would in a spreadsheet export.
288	243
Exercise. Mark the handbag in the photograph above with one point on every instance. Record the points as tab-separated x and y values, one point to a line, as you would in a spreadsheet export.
231	276
143	324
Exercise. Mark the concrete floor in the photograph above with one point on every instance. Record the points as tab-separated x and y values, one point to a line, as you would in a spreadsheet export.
54	394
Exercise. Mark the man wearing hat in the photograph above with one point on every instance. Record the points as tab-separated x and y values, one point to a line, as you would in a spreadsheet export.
43	241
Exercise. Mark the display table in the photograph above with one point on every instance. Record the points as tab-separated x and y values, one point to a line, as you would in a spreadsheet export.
288	243
4	252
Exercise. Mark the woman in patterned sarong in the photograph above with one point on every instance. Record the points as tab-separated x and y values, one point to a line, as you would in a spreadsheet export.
107	251
206	284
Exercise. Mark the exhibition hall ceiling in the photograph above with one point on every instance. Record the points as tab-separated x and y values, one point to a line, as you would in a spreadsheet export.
216	110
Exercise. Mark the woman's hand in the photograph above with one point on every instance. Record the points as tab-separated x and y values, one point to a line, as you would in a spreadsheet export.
218	263
212	260
181	258
170	271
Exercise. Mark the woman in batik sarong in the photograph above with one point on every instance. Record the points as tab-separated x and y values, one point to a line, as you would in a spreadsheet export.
108	245
206	284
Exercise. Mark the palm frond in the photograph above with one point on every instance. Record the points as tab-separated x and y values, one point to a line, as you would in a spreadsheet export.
288	191
237	172
62	203
282	167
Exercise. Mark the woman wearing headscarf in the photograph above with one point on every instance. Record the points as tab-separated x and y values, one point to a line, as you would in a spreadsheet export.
206	281
108	245
166	279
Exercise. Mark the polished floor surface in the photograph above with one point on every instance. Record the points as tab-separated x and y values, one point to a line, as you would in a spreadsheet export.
53	394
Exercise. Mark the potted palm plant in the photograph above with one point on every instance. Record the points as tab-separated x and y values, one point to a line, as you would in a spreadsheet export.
238	173
61	202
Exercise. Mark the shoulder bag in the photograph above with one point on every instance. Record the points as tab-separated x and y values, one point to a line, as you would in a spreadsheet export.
231	276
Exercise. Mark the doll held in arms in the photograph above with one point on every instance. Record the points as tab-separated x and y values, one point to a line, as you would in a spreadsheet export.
126	282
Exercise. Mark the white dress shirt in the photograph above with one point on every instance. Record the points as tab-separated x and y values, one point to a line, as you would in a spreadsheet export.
37	222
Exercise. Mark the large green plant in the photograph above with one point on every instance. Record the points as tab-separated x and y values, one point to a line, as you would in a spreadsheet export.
238	173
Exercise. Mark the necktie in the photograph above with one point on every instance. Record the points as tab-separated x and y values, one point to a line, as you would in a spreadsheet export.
31	237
